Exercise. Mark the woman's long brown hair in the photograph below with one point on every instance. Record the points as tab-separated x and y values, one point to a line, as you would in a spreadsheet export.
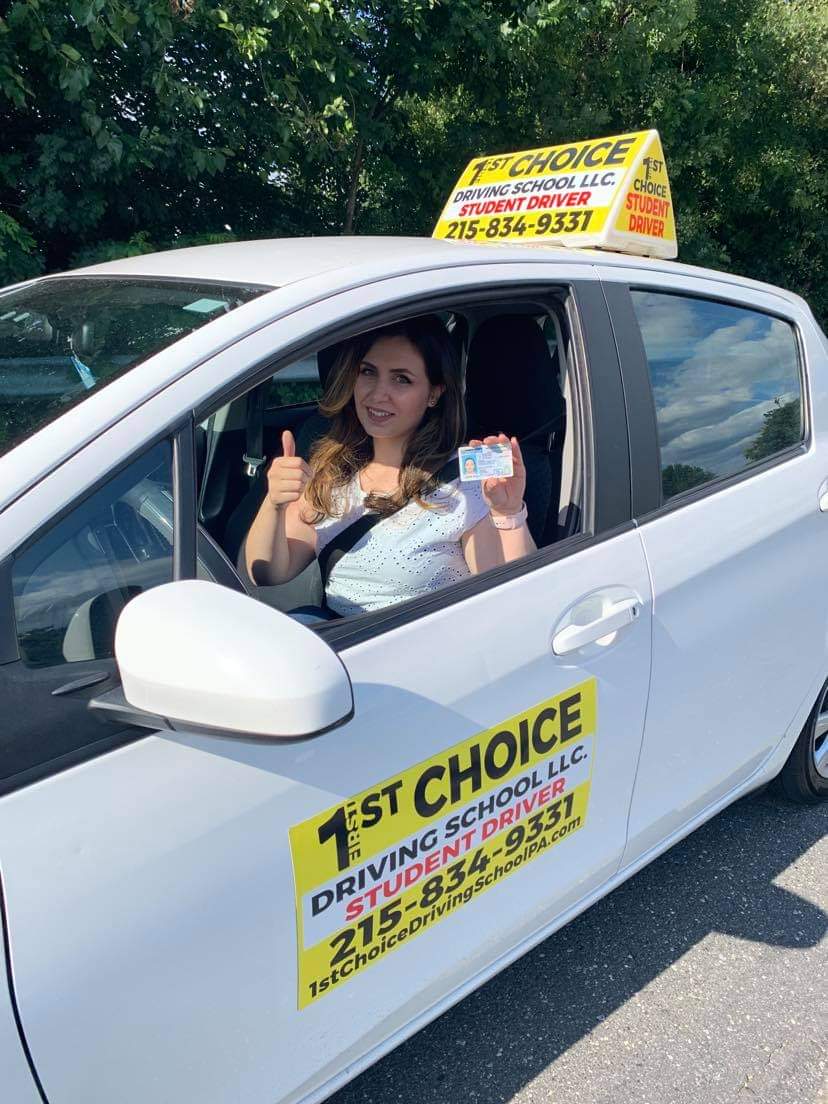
346	448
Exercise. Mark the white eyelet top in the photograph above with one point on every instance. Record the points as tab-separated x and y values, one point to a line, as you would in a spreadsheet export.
410	553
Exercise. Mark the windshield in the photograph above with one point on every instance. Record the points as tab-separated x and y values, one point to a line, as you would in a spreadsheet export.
64	337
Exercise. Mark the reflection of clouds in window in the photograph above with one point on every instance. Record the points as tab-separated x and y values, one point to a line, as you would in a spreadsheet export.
48	591
720	446
716	371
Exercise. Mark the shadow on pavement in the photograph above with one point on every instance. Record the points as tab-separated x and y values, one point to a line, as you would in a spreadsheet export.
720	879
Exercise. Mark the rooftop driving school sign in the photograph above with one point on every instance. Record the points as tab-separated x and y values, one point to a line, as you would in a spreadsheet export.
610	193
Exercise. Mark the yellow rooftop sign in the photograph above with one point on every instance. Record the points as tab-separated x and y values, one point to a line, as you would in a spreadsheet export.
612	193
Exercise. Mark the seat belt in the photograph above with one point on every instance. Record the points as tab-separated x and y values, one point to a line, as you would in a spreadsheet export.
253	456
345	540
549	428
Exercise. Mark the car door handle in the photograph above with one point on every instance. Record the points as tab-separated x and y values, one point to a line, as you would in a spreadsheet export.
822	495
616	617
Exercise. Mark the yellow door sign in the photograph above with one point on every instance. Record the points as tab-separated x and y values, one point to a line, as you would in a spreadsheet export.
610	193
385	865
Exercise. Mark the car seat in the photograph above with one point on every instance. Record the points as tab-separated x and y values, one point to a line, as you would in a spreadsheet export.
512	386
317	424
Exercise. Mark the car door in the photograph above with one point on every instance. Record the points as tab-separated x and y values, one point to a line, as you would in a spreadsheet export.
727	470
198	916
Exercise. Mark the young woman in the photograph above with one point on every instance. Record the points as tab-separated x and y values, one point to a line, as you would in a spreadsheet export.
396	408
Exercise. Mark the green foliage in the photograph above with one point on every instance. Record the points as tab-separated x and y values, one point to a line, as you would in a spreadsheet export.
782	428
292	392
135	122
19	259
676	478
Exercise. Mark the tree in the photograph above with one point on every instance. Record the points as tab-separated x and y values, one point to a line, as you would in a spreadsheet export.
135	124
676	478
781	428
121	118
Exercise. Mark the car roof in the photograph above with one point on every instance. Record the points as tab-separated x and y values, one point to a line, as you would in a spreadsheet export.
277	262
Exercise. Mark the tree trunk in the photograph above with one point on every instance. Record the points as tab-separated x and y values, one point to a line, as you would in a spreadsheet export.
348	228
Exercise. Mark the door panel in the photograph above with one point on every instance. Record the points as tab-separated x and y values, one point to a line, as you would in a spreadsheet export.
156	895
150	890
740	608
737	641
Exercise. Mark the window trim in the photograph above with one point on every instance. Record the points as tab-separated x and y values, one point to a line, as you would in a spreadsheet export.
597	369
185	504
9	646
138	278
645	453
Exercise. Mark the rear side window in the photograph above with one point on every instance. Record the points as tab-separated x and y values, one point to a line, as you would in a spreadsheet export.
726	383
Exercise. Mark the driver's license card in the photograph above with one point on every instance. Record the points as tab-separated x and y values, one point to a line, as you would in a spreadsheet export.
485	462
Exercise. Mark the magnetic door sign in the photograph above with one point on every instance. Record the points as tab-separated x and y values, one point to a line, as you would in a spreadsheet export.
387	864
611	193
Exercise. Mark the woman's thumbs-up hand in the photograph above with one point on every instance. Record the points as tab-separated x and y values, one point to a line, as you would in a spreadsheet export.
288	475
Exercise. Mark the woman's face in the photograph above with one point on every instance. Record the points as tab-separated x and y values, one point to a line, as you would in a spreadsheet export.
392	390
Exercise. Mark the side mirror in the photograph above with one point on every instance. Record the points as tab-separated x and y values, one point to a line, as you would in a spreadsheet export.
202	655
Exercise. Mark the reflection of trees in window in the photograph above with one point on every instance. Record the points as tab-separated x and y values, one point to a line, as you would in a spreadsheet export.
782	428
292	392
676	478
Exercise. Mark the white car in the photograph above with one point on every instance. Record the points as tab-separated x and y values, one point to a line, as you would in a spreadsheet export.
241	857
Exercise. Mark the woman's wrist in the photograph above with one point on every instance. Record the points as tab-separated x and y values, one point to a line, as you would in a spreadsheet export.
514	520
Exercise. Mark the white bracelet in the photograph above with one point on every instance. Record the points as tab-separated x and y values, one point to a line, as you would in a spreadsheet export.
510	521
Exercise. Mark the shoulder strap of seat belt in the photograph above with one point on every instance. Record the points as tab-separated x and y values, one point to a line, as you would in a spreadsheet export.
548	428
450	470
343	542
253	455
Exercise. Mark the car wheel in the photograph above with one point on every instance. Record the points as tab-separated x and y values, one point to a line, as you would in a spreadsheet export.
804	777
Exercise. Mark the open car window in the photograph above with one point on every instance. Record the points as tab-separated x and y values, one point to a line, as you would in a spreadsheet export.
516	378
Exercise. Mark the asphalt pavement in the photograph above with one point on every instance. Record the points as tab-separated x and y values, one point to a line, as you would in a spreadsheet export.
703	980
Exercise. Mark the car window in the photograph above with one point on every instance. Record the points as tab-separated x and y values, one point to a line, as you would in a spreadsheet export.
71	584
531	407
62	338
726	383
295	384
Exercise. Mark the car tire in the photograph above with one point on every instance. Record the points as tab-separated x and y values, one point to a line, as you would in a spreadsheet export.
804	778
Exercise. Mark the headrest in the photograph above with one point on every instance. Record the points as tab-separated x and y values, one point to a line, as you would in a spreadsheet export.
511	377
325	361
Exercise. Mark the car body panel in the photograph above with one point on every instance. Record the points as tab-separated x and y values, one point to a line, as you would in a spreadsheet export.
150	889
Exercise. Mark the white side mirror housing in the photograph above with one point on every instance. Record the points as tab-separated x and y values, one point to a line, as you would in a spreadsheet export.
200	654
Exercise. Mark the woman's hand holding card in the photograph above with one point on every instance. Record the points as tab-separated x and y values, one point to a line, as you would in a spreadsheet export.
504	495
